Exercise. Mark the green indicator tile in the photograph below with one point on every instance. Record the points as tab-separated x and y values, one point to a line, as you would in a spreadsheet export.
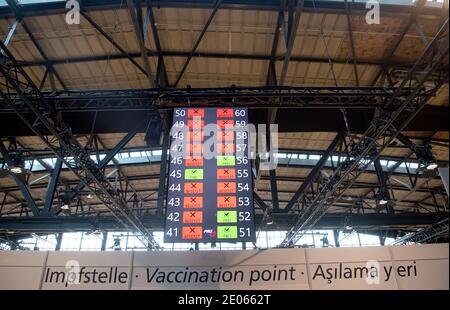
227	232
226	161
193	174
227	217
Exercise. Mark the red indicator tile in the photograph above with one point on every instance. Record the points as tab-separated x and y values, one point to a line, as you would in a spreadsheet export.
226	202
226	187
225	136
194	148
196	124
196	113
192	232
193	202
192	217
193	188
226	174
196	161
225	124
225	148
194	136
223	113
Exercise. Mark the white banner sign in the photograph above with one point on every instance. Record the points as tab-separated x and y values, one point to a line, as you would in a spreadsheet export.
367	268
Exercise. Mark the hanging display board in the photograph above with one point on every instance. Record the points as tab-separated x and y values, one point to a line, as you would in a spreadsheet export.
210	190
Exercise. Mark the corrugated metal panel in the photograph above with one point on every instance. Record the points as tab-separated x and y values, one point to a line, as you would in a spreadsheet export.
232	31
213	72
305	140
441	97
112	74
319	35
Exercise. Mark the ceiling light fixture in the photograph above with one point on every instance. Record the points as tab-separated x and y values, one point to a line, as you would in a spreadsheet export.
382	202
426	157
65	207
432	166
268	218
382	198
16	170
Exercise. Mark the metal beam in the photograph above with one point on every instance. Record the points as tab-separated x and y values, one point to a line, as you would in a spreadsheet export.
5	194
205	54
59	238
44	78
260	202
57	136
321	6
17	8
382	180
199	39
420	32
356	185
272	81
14	6
12	31
314	173
336	238
382	238
21	182
163	168
346	203
43	54
301	106
288	96
39	154
291	39
108	157
51	76
372	143
426	235
51	189
114	43
121	174
161	77
271	71
351	39
406	141
287	56
372	221
274	190
104	239
418	6
138	28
